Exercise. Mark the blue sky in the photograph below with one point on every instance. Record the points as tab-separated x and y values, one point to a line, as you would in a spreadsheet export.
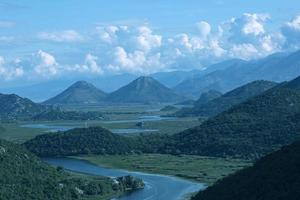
54	38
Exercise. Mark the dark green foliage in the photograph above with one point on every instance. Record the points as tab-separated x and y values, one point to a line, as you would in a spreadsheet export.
80	141
144	90
215	106
24	176
249	130
80	92
273	177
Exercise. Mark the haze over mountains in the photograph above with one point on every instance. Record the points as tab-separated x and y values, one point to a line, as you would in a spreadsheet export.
80	92
212	102
222	77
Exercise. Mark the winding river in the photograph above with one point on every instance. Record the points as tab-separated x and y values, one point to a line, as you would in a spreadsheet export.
157	187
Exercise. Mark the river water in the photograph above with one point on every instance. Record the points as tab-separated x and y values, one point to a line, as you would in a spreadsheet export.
157	187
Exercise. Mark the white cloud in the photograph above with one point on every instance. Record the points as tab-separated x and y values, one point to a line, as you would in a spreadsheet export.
90	65
243	51
291	32
146	40
46	64
204	28
61	36
9	73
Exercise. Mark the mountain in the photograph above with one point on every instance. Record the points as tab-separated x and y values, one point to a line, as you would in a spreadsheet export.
144	90
24	176
209	80
217	105
14	107
207	96
275	176
80	92
249	130
277	67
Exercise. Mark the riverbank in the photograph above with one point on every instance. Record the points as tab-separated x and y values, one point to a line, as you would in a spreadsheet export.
156	186
195	168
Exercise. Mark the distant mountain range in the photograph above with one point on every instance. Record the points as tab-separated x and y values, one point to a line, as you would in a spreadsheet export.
277	67
80	92
212	102
273	177
144	90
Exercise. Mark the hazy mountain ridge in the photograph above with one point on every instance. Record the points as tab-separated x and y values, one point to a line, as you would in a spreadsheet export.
80	92
227	100
144	90
277	67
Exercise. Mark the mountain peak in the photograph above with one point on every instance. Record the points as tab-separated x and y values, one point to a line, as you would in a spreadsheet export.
80	92
144	89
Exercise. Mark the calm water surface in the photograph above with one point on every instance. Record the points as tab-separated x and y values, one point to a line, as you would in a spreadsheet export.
158	187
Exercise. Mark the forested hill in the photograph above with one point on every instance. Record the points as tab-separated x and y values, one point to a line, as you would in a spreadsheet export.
226	101
24	176
250	129
80	141
274	177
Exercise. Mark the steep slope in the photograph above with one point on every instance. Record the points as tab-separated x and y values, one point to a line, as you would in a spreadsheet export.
24	176
144	90
207	96
226	101
277	67
249	130
80	92
14	107
275	176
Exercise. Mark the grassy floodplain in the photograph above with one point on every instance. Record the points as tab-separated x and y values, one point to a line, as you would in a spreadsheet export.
196	168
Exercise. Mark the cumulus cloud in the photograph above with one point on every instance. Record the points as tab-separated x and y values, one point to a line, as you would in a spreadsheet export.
90	65
9	73
146	40
204	28
61	36
46	64
291	32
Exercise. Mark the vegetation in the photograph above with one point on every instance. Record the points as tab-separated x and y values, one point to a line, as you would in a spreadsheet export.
212	103
251	129
57	115
24	176
169	108
275	176
80	141
80	92
197	168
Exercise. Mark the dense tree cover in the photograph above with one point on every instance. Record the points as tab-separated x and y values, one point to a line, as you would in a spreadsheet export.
273	177
212	103
24	176
80	141
250	129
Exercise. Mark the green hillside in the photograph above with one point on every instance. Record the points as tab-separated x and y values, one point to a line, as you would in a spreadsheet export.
273	177
24	176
